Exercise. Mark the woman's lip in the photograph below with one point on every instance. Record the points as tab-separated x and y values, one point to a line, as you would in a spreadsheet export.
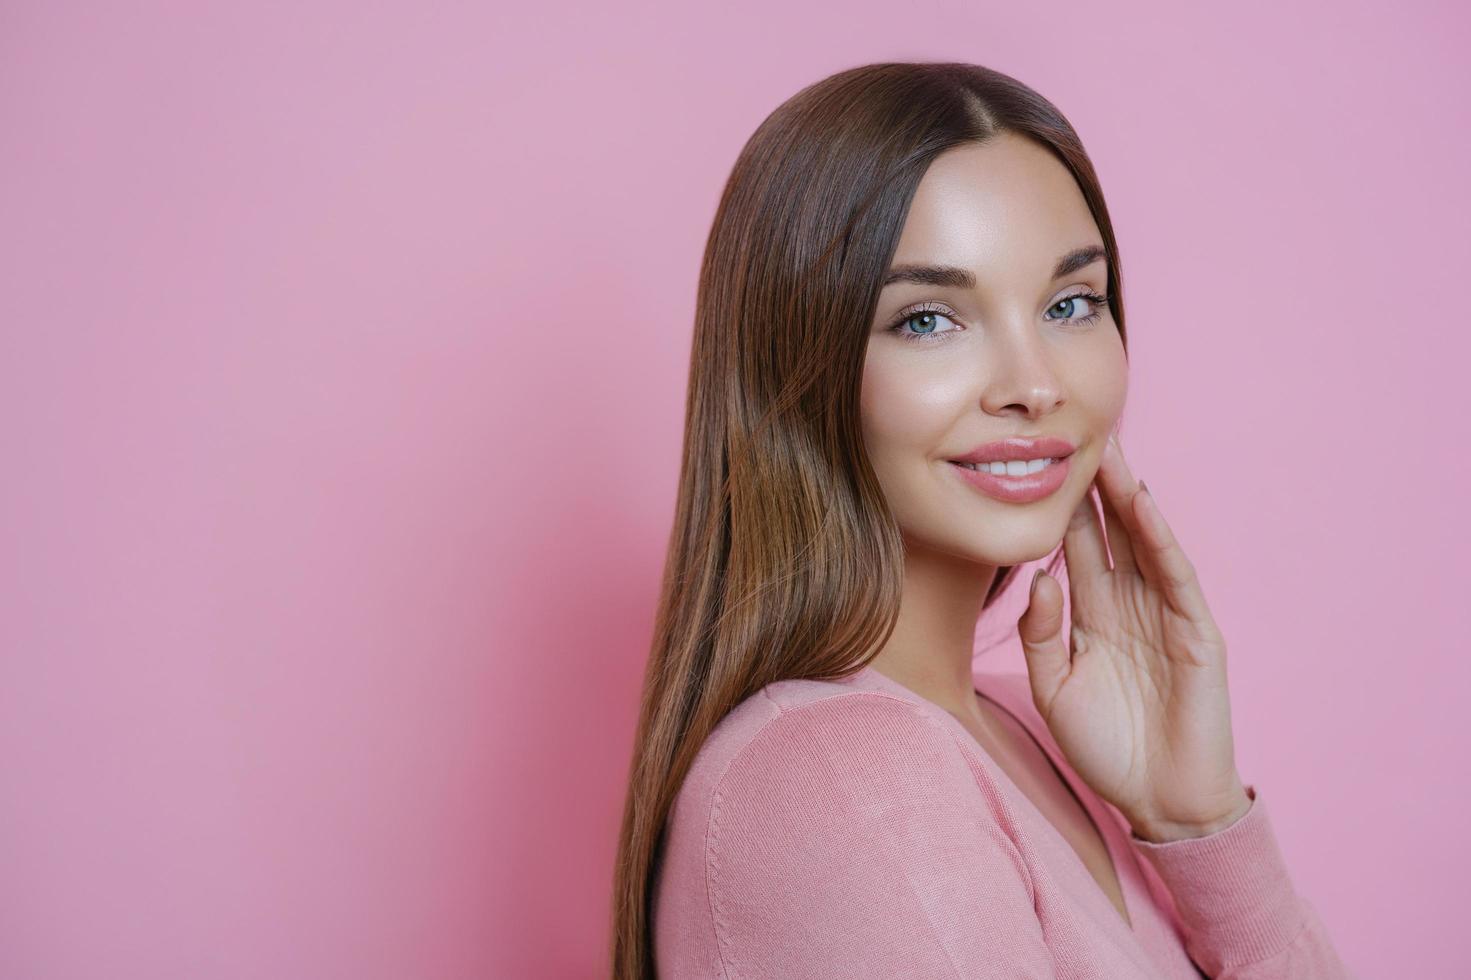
1017	489
1004	450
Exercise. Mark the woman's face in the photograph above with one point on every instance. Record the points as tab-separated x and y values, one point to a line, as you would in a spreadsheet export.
1020	352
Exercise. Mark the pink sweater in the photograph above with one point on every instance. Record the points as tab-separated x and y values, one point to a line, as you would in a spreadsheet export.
854	829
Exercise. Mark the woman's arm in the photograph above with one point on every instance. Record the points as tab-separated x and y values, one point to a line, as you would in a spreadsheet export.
1242	918
1134	693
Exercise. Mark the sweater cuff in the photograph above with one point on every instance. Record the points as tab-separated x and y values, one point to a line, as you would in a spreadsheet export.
1231	888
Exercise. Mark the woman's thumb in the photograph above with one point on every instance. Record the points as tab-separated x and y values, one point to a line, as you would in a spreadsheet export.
1040	627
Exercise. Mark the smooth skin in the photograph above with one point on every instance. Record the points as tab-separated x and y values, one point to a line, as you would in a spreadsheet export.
1135	695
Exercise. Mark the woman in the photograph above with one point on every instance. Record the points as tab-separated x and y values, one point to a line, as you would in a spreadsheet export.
908	371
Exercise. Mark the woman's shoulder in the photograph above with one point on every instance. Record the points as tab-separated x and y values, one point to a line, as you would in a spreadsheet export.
805	726
822	741
796	756
833	787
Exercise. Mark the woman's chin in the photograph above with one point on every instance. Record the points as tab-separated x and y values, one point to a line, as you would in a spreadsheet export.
989	552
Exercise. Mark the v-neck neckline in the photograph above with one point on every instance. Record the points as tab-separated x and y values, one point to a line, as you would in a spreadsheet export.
1100	822
987	686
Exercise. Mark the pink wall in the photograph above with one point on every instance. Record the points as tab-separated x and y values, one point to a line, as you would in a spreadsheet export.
342	363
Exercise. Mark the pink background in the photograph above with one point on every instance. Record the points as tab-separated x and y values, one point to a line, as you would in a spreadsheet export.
342	362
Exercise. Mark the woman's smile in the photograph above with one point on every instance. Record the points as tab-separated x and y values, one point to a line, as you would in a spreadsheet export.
1041	479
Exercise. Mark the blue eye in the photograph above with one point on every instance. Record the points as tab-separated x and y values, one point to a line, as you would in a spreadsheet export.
1094	298
928	326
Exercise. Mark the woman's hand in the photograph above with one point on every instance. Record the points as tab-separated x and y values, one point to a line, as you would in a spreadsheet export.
1138	702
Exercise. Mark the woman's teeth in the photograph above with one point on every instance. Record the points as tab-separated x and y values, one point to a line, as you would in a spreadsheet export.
1015	467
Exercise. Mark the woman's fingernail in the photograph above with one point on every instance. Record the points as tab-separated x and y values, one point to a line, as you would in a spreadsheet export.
1035	575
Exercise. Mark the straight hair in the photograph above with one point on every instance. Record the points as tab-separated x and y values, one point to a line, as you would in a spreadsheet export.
785	560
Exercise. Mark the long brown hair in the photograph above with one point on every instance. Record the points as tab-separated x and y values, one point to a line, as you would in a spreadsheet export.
785	560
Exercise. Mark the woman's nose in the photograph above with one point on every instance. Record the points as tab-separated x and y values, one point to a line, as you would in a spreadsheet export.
1020	372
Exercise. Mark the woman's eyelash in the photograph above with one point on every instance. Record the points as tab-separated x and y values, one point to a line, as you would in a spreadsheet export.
920	310
1096	299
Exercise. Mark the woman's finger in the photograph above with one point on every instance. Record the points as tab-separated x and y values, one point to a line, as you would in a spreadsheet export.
1116	489
1167	567
1083	547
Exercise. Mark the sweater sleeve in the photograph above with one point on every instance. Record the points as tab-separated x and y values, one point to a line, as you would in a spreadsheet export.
849	838
1242	918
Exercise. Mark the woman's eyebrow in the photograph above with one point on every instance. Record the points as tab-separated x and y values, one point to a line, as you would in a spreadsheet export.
959	278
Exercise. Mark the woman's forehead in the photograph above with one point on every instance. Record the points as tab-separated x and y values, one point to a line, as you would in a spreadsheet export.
1002	210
